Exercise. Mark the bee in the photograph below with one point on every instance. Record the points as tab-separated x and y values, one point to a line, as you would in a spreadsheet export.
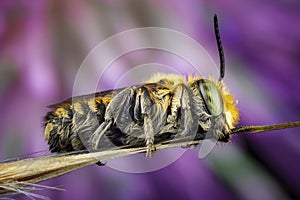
147	114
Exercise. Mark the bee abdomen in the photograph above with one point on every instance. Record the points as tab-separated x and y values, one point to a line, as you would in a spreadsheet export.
68	125
58	129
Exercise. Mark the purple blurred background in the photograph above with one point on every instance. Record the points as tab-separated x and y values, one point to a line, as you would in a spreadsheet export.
43	43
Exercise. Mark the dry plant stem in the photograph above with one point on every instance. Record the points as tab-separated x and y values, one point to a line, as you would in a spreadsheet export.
32	170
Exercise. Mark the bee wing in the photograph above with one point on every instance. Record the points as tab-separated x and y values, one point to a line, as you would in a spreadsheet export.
106	93
86	97
206	147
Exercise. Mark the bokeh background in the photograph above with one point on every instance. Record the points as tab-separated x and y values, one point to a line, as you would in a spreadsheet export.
43	43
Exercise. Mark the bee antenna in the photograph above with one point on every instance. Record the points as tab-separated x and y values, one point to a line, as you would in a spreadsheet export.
220	48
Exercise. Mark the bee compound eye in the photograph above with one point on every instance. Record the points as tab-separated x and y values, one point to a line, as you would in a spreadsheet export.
211	97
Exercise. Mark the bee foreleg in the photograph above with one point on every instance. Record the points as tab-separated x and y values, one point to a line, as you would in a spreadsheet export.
184	111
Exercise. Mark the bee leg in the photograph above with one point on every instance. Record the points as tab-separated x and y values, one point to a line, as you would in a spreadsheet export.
100	131
184	111
149	137
117	112
99	163
134	112
145	110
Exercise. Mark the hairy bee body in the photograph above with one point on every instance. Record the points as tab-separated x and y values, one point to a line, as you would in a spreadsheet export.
146	114
73	116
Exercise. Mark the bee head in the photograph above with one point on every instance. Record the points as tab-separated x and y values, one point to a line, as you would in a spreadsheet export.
217	100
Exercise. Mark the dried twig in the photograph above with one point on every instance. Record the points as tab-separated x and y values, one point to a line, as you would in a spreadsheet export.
21	173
